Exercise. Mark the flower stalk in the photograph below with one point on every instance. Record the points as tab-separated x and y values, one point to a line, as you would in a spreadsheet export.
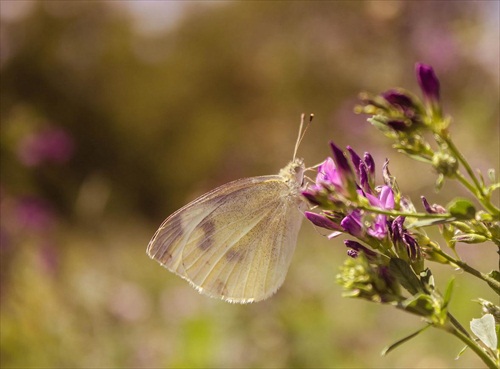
389	250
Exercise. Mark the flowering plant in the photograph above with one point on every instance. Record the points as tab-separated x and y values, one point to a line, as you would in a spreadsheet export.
390	249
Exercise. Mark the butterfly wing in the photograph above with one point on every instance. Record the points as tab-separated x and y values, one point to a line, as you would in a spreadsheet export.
235	242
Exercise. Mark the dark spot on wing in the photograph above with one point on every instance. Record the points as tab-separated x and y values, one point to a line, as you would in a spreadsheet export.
234	255
221	288
207	241
165	258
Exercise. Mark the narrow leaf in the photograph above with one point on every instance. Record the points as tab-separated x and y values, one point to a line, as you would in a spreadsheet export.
484	329
447	293
420	304
405	275
461	352
388	349
430	222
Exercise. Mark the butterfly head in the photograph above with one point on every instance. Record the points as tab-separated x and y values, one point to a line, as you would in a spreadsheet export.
293	173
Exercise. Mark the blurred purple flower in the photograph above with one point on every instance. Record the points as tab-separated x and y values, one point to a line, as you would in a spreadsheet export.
53	145
429	83
34	214
404	112
400	100
398	125
49	257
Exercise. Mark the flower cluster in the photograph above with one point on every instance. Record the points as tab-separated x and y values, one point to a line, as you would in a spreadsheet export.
351	203
387	245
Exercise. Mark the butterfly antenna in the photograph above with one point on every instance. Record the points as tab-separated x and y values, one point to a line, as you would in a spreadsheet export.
302	132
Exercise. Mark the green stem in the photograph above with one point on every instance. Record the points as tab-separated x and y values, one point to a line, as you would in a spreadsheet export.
465	338
476	189
408	215
483	198
457	324
464	162
472	189
493	283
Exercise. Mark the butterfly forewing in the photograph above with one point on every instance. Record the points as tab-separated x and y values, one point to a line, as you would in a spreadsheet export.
235	242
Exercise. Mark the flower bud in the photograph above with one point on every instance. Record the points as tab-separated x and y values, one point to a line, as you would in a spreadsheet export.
445	163
428	82
470	238
322	221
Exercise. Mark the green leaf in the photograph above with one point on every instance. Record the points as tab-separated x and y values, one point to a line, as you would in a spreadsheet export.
430	222
420	304
447	292
405	275
388	349
484	329
495	274
461	209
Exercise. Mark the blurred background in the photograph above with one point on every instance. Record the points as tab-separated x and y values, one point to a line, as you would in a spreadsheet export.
114	114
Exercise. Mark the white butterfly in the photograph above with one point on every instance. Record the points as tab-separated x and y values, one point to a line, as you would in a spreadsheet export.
236	242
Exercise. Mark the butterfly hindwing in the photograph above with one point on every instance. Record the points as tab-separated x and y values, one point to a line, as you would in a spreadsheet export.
235	242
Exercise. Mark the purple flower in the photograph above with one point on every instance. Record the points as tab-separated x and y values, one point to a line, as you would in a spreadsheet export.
356	160
429	84
329	180
370	163
336	181
400	100
352	253
328	174
434	208
362	170
411	245
400	235
322	221
49	146
385	201
398	125
353	224
344	169
379	227
357	247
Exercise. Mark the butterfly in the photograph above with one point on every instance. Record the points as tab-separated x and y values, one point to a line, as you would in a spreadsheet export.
236	242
